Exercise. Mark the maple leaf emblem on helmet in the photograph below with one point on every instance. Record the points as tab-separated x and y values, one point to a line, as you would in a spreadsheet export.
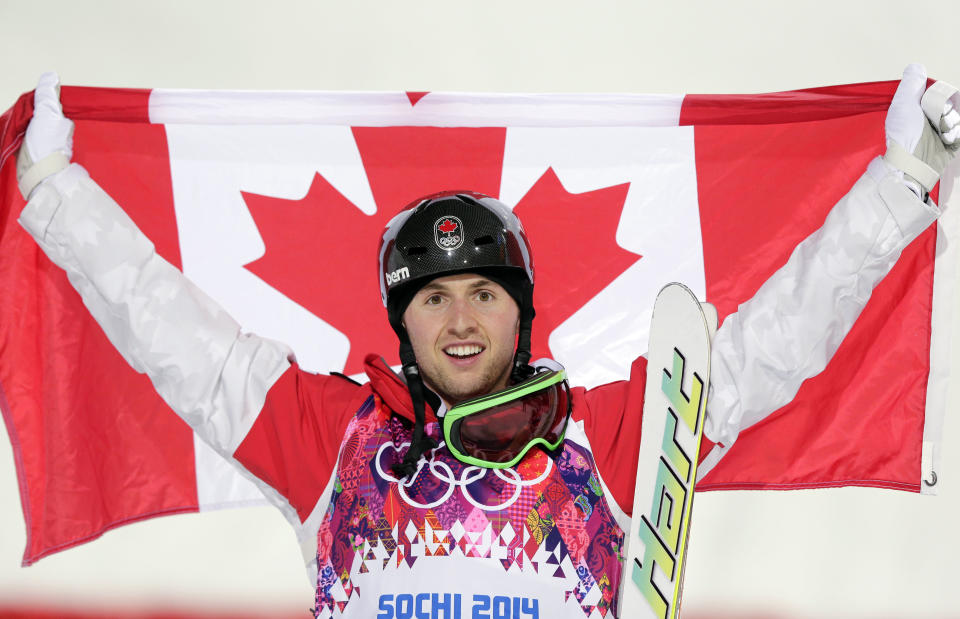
448	232
447	226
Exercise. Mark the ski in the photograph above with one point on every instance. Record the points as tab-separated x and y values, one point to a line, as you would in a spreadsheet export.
678	374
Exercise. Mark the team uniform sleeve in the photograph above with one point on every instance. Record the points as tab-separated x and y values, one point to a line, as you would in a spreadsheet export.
294	443
788	331
213	375
612	417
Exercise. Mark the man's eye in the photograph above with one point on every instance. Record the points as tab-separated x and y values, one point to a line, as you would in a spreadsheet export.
483	295
434	299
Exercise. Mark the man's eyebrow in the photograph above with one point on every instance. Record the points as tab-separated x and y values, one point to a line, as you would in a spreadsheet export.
480	283
433	286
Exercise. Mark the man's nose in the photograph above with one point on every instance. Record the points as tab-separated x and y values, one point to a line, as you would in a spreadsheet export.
461	321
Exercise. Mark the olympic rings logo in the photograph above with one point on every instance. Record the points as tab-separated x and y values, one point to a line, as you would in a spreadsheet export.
442	471
449	242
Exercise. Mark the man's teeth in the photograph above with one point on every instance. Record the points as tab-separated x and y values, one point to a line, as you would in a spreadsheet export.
463	350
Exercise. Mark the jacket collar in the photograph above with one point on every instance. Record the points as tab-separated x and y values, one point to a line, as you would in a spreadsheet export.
392	389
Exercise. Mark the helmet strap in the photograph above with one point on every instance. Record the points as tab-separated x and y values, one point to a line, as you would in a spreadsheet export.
522	369
419	443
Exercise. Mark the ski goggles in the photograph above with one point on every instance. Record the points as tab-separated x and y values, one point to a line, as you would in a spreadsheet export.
497	430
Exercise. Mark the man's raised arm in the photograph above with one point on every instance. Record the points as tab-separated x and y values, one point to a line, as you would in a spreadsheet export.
213	375
788	331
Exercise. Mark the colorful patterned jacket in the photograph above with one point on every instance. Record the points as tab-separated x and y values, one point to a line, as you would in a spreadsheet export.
544	538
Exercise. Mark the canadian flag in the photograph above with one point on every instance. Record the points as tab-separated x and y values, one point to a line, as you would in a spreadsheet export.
273	204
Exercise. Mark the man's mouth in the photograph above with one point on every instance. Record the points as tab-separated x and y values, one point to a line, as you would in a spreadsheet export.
463	351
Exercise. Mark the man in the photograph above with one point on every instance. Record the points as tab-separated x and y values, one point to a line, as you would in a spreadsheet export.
405	503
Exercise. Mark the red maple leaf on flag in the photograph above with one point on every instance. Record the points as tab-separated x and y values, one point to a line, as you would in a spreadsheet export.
575	252
321	249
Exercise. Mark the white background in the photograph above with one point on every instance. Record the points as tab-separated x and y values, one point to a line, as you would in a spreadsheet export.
824	553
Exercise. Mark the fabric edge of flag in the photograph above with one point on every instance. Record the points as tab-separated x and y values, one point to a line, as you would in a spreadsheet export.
171	511
393	108
943	330
160	106
12	130
233	504
881	484
51	550
13	125
31	555
17	449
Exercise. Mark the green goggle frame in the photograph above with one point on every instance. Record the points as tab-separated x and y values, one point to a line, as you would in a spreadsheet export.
517	394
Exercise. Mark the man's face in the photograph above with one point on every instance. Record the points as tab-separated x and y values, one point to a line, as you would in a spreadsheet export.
463	329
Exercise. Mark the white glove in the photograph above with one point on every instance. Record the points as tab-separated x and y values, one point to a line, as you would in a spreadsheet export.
48	144
923	126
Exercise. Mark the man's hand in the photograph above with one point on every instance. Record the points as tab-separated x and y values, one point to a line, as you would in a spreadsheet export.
48	144
923	127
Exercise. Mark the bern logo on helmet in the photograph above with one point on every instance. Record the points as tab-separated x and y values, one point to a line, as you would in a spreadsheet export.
448	232
395	277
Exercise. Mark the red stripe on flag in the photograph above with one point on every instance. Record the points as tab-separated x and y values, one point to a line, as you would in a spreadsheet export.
787	107
123	105
762	189
90	461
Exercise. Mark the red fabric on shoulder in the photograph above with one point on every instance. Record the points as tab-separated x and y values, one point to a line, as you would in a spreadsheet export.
612	415
392	390
294	443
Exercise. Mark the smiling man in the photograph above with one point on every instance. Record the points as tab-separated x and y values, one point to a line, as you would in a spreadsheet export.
463	329
477	483
463	309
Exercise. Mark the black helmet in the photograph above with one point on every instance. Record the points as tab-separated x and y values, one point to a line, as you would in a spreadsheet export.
444	234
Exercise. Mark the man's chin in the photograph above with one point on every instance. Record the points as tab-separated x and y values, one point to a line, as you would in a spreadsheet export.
454	392
456	386
456	395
